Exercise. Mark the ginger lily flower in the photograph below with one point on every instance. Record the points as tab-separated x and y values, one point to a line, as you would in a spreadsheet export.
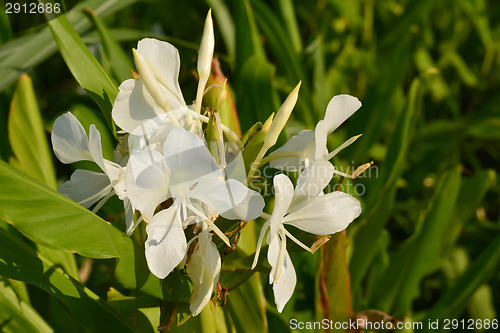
308	209
187	173
309	145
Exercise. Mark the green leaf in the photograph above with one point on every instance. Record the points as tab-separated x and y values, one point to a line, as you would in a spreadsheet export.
120	64
29	144
20	262
16	315
372	226
22	54
246	306
84	67
455	299
419	256
257	97
334	282
27	136
49	218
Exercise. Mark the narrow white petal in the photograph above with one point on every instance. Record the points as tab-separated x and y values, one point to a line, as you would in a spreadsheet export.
302	142
259	243
325	214
165	59
339	109
320	139
272	254
95	147
86	187
129	217
69	139
284	286
166	244
283	189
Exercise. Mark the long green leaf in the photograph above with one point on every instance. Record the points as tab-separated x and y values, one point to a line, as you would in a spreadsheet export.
368	236
22	54
20	262
421	255
29	144
120	64
84	67
334	282
16	315
47	217
455	299
27	136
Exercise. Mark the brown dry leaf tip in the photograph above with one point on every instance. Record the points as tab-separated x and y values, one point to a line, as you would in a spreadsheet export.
222	293
319	242
135	75
169	321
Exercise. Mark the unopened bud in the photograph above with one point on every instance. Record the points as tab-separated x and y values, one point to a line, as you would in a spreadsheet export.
146	73
281	117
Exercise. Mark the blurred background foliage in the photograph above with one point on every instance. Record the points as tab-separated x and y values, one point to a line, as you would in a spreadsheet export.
428	74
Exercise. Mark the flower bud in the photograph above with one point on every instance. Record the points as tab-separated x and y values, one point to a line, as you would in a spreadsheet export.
281	118
205	58
146	73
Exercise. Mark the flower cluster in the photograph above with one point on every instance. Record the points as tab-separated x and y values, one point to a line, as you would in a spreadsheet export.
166	170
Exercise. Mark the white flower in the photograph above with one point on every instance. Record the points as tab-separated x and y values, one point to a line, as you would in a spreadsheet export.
71	145
203	268
305	208
187	173
144	98
311	145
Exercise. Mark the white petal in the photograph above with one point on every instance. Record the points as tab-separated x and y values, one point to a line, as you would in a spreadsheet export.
95	147
149	170
69	139
134	105
231	199
339	109
112	170
203	268
320	138
129	216
86	187
325	214
187	158
165	58
143	199
166	245
302	142
285	285
283	189
247	209
312	180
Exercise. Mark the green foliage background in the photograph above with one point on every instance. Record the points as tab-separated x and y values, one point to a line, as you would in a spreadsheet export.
427	243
